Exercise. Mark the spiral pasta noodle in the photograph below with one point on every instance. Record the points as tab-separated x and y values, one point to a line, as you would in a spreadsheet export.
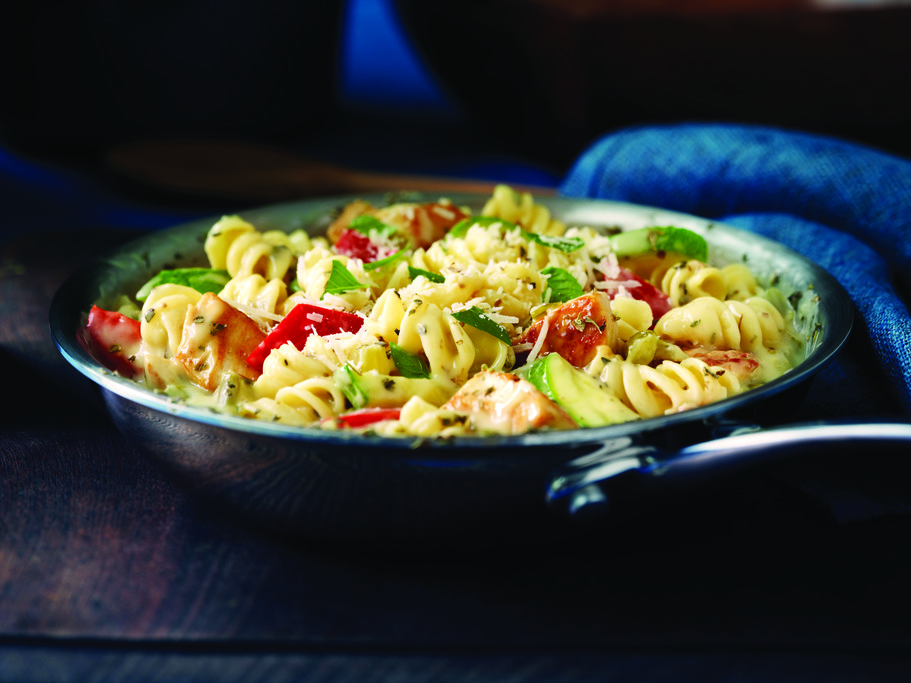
428	330
521	208
667	388
749	325
287	366
688	280
295	388
162	320
740	282
255	292
633	316
235	245
303	403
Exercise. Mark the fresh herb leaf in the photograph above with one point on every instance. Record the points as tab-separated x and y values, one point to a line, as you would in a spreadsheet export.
561	284
409	364
203	280
476	318
566	244
433	277
341	280
368	225
348	381
381	263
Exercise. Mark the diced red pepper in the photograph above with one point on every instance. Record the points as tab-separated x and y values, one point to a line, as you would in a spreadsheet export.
658	301
300	323
367	416
355	244
115	340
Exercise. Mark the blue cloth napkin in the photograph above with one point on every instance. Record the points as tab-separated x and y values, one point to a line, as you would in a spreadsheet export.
845	206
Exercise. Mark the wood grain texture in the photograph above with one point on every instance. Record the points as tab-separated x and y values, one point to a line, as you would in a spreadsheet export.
89	664
102	558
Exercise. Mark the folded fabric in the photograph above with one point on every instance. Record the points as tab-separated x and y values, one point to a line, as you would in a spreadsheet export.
845	206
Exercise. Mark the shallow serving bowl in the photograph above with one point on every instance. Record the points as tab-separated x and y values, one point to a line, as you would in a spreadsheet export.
306	482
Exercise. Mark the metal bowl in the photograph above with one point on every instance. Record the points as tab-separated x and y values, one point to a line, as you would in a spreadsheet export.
310	483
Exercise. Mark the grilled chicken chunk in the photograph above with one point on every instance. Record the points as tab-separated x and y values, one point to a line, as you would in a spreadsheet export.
576	329
507	404
216	340
420	224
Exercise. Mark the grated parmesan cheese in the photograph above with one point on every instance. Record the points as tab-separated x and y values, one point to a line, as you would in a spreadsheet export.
539	342
446	214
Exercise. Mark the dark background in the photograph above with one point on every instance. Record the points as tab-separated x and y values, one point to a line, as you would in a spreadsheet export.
535	80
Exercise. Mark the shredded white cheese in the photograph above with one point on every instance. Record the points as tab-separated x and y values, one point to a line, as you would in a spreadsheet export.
539	342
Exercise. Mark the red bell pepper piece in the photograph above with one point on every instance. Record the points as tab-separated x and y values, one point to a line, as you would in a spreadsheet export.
355	244
367	416
658	301
300	323
115	340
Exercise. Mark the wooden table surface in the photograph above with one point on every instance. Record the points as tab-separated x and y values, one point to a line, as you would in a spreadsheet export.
109	572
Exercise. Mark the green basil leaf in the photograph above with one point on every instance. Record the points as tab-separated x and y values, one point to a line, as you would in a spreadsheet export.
203	280
566	244
366	225
476	318
341	280
561	284
349	382
383	262
409	364
433	277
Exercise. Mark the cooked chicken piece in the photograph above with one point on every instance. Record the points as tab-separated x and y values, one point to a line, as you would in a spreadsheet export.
506	404
421	224
576	329
351	211
216	340
741	363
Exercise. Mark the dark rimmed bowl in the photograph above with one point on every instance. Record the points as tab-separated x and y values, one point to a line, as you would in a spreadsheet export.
309	483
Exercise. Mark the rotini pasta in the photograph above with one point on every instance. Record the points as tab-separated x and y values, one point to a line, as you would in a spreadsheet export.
688	280
668	387
521	208
424	320
740	282
256	296
749	325
235	245
162	321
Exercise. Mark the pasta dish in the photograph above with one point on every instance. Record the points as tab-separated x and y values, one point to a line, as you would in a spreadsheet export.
424	319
